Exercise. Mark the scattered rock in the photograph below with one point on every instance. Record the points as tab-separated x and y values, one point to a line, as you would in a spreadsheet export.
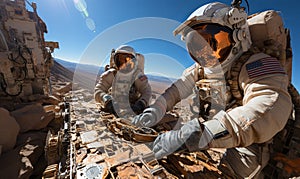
9	129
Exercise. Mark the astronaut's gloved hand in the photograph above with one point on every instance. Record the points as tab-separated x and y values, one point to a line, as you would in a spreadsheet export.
138	107
190	136
151	115
106	98
108	105
148	118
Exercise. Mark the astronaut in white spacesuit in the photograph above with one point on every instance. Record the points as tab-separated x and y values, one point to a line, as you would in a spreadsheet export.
217	36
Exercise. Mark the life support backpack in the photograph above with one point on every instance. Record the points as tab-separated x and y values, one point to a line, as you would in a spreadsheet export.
269	36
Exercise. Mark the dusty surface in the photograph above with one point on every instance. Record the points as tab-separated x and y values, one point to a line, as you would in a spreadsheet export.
57	131
93	143
84	142
97	151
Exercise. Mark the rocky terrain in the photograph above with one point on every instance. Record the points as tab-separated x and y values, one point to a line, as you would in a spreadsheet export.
93	142
51	126
78	140
98	138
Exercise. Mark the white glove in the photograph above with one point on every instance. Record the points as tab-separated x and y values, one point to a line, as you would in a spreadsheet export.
151	115
189	136
148	118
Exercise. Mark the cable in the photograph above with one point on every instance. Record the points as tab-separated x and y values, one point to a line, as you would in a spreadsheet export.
248	7
29	3
3	86
237	3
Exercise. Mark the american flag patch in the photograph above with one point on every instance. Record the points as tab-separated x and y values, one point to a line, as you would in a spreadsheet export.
264	66
143	77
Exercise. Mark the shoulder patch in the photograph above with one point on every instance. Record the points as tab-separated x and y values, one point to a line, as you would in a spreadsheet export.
264	66
143	77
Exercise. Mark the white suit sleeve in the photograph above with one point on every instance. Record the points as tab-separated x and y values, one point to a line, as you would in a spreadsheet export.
181	88
103	85
265	110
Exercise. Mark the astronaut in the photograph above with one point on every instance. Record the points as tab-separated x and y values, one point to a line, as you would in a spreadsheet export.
124	89
217	37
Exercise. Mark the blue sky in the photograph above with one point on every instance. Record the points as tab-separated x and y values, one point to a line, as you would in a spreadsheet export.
87	29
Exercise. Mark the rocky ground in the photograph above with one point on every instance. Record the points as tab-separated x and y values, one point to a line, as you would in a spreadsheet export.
99	144
106	146
82	142
95	146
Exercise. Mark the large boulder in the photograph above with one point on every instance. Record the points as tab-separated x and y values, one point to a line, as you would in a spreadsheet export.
9	130
32	117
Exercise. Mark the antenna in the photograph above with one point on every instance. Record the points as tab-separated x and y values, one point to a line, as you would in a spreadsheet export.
237	3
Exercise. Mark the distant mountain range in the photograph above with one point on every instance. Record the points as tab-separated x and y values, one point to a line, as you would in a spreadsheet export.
87	75
79	66
72	66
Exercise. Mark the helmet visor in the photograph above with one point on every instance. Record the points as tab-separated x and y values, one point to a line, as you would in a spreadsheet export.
209	44
124	61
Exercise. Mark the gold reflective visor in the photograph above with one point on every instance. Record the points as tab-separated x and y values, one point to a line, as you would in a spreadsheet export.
121	59
217	37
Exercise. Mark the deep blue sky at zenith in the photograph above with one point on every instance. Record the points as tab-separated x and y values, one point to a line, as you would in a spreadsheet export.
87	29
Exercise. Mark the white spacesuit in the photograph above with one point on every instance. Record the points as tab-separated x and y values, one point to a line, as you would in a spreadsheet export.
130	90
216	37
